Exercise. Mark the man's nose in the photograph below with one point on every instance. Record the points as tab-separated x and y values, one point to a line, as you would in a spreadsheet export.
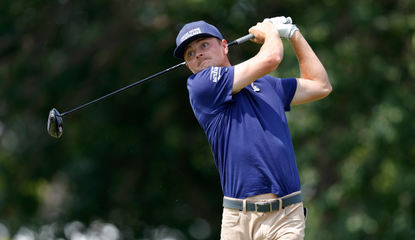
199	53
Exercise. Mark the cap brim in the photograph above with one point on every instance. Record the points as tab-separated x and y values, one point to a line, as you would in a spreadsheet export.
179	51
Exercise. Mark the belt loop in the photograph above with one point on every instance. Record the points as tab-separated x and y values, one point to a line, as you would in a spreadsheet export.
244	206
281	208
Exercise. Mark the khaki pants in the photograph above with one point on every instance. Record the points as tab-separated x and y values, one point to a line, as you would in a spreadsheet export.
285	224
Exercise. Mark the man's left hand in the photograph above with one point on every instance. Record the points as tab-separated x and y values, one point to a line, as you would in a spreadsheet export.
284	24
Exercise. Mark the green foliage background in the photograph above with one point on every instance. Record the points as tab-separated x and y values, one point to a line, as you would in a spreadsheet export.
140	160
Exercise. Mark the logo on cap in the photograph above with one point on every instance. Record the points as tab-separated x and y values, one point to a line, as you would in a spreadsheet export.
190	33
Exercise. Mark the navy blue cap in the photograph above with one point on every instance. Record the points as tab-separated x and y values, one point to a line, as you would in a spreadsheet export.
191	32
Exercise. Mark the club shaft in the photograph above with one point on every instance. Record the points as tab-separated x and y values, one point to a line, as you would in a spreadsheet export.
241	40
236	42
123	89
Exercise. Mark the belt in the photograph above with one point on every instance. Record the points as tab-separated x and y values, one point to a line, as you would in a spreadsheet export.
263	206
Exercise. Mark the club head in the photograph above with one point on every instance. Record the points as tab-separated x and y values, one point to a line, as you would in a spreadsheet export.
55	123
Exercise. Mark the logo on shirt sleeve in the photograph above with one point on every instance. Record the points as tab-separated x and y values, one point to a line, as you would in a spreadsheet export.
215	74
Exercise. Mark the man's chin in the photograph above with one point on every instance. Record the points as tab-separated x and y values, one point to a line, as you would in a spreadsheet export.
205	64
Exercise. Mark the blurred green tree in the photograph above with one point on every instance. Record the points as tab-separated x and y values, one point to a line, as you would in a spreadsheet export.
140	159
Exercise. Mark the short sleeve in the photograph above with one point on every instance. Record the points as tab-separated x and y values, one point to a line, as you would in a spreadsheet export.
289	87
211	89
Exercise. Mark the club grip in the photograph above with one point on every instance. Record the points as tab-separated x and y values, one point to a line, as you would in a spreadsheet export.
241	39
244	38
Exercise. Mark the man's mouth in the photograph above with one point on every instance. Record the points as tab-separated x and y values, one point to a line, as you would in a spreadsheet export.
203	60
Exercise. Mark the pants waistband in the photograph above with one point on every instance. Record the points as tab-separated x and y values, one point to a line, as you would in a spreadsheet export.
264	206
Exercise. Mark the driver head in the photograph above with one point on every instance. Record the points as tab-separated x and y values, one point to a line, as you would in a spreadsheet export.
55	124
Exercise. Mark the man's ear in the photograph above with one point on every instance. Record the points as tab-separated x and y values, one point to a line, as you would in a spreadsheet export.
224	44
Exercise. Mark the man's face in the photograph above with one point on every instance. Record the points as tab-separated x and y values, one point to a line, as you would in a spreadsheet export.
206	52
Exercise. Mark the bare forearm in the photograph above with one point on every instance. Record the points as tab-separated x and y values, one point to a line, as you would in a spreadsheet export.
270	54
272	49
314	83
310	66
267	59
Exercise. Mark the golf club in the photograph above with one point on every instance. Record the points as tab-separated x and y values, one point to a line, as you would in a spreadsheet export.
55	122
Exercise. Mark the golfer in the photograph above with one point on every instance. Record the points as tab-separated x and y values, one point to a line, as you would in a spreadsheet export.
242	111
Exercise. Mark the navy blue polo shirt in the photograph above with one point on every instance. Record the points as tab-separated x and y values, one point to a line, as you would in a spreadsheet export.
247	131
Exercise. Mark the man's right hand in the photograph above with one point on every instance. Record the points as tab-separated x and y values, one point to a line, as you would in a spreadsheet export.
262	30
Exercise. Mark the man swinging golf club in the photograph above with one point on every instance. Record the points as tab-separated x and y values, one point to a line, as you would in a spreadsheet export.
242	111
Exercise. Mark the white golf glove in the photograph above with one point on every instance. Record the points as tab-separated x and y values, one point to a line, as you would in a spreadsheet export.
279	20
285	27
287	30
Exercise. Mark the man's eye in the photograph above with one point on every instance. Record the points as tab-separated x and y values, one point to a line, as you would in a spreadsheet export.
204	45
190	54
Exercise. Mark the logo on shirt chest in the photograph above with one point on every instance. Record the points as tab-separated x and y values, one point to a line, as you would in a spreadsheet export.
255	87
215	74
